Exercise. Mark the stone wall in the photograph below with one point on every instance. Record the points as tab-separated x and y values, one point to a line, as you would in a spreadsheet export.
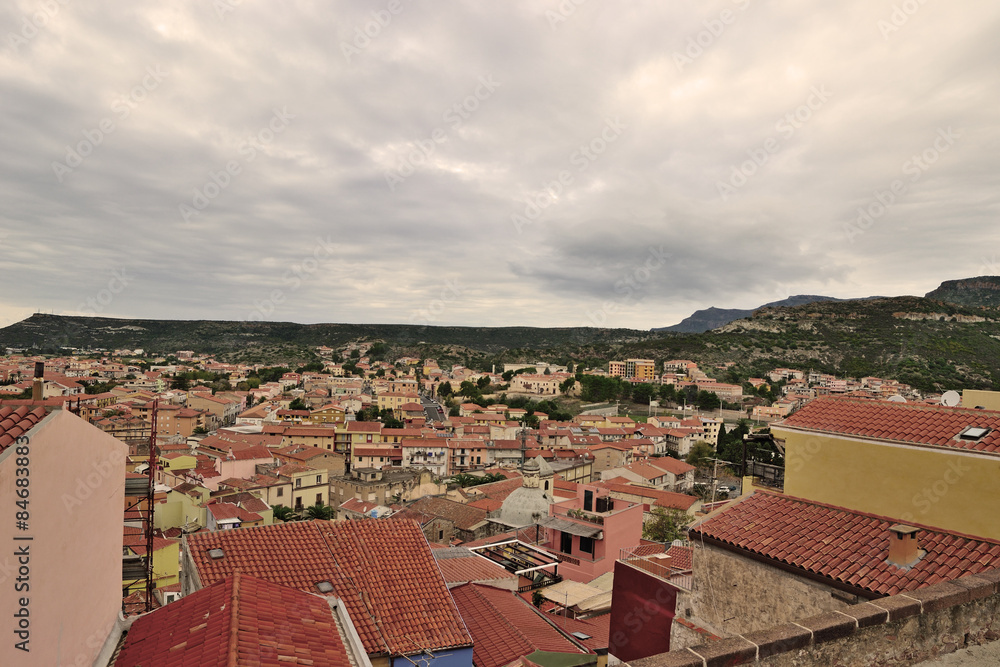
732	594
900	630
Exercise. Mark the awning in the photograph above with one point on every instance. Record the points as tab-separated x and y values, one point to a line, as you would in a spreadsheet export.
571	527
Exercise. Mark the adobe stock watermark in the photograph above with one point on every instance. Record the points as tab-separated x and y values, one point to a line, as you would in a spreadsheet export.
32	23
786	126
563	11
121	108
88	484
926	498
899	17
914	167
535	203
96	304
371	29
455	116
293	279
450	293
990	266
629	285
714	28
220	180
223	7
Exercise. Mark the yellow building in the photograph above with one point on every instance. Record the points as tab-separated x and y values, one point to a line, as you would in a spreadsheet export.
184	504
929	465
166	559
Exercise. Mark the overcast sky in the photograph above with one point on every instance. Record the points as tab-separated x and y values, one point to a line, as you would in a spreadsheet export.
509	163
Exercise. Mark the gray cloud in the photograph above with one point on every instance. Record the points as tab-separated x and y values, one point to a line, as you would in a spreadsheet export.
692	129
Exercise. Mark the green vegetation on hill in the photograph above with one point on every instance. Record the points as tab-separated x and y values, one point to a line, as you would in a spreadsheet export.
930	344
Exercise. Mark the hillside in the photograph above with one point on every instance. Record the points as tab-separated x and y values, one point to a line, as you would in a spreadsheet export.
713	318
930	344
981	291
285	340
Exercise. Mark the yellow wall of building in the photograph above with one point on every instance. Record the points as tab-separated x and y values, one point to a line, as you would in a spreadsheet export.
954	490
166	568
988	399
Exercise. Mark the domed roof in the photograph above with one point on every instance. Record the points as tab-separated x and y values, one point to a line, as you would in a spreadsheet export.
524	507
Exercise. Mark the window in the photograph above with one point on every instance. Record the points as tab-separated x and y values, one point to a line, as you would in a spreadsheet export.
319	479
587	545
298	483
281	491
566	543
319	498
440	534
588	501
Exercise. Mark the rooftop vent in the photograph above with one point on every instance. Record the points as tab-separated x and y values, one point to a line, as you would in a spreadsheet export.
973	433
216	553
324	587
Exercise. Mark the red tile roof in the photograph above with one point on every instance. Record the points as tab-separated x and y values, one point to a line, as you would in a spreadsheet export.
465	517
15	422
471	568
383	570
650	496
902	422
239	621
844	545
671	465
504	626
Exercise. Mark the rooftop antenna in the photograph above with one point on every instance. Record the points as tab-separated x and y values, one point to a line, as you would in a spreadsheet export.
951	398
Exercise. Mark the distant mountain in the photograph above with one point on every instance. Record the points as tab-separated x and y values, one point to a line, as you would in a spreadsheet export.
249	341
929	344
713	318
981	291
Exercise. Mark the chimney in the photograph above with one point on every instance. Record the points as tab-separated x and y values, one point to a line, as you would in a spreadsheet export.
38	386
904	547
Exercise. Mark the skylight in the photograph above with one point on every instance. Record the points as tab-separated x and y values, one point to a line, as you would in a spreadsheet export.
216	553
324	587
581	636
973	433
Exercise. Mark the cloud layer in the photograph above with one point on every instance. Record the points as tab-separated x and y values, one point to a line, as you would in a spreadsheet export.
519	163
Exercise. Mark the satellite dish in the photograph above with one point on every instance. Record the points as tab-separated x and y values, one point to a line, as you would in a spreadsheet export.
896	399
951	398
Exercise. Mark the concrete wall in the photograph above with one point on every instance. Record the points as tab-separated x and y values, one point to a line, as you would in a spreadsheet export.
935	487
732	594
73	568
903	629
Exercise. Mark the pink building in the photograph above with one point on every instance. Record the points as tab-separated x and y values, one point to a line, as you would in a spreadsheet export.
588	532
62	484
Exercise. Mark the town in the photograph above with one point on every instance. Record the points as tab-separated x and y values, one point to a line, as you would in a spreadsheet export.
391	509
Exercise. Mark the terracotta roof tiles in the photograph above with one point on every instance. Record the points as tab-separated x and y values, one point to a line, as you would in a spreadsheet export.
900	422
15	422
504	626
844	545
382	569
242	620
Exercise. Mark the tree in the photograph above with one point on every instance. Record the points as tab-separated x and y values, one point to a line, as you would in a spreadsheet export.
643	393
180	383
707	400
666	525
319	511
700	455
537	598
569	367
283	513
483	382
444	389
298	404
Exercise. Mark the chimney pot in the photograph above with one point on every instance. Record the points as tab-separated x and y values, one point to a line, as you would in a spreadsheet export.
38	385
904	545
